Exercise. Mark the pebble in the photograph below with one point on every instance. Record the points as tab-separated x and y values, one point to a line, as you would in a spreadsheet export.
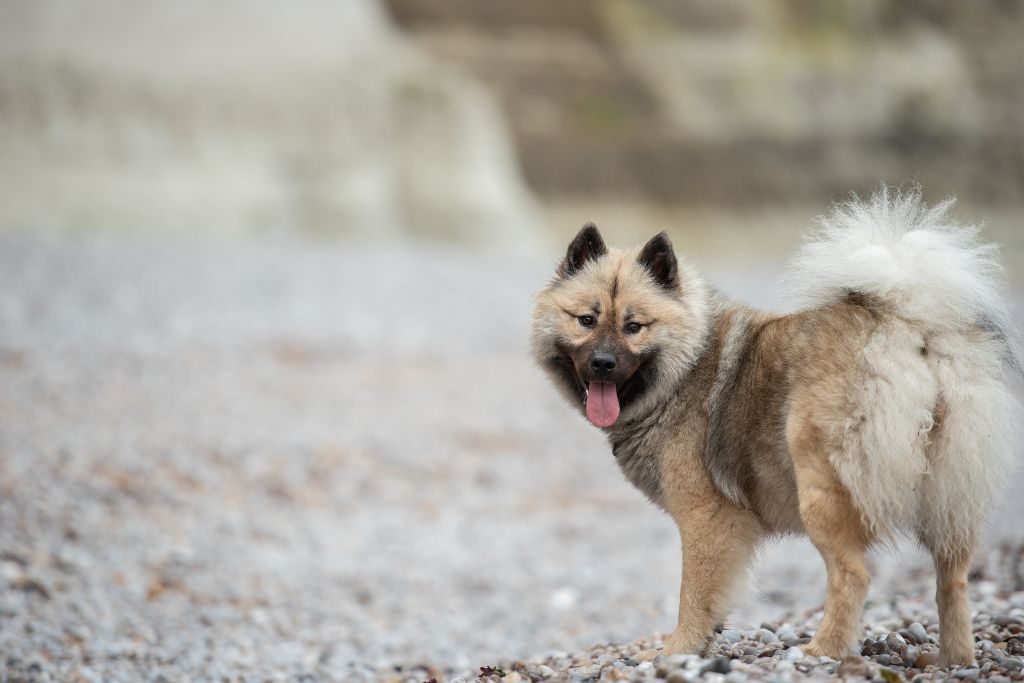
731	636
718	665
916	630
585	672
794	654
786	633
677	676
895	643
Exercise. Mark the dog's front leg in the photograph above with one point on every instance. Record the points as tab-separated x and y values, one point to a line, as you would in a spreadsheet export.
718	541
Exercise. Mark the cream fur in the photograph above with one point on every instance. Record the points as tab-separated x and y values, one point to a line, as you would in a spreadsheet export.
931	425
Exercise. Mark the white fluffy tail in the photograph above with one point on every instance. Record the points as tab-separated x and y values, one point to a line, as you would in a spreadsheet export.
914	259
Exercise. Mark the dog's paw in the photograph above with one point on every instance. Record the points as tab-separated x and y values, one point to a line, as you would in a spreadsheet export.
949	657
688	645
646	655
817	648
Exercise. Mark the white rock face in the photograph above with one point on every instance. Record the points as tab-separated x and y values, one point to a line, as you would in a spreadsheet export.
245	116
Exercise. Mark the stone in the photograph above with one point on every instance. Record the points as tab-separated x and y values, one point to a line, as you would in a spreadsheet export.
916	630
1012	663
585	672
786	633
677	676
896	643
731	635
926	659
718	665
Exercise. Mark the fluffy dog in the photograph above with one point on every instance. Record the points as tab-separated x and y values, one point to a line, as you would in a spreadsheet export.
880	408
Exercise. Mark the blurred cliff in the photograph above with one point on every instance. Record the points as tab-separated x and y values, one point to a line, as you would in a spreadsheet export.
479	122
739	102
245	116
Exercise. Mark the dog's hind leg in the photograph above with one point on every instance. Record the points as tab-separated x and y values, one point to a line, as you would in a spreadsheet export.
718	543
836	530
956	644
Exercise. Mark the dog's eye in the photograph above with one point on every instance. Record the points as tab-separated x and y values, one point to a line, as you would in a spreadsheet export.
633	328
587	320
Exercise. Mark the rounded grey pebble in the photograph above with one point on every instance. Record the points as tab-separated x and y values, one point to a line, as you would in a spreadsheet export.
718	665
918	632
731	635
680	660
676	676
786	633
586	671
1013	663
883	659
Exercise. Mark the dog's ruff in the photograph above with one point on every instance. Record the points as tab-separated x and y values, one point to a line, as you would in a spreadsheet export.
882	407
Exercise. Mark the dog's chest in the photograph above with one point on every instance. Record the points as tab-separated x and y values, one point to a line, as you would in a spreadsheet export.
638	458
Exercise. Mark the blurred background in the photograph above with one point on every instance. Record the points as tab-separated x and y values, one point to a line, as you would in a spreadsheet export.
265	280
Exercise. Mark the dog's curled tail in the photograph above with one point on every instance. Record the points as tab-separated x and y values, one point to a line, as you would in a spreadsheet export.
912	259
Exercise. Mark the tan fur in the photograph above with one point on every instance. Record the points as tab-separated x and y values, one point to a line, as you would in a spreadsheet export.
755	424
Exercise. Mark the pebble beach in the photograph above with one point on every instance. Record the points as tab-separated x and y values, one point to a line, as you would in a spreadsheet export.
311	461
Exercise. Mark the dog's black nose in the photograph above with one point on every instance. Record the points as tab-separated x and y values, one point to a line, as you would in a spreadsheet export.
602	363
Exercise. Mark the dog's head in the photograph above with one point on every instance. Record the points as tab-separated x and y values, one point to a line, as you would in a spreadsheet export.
616	330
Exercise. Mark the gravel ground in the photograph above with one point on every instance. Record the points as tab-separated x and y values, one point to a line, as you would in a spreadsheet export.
288	461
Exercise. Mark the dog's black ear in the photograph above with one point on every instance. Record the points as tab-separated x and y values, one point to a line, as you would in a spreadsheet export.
586	246
659	259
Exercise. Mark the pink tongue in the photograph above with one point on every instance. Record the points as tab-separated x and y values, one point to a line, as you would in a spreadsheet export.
602	404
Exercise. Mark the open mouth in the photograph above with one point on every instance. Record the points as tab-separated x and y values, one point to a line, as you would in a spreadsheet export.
604	400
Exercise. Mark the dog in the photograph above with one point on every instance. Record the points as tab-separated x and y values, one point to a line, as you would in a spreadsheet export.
880	408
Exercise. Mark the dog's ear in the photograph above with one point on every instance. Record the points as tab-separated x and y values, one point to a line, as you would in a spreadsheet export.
586	246
659	259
